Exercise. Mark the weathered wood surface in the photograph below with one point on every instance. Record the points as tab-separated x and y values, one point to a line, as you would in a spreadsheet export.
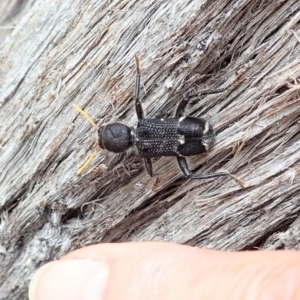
55	53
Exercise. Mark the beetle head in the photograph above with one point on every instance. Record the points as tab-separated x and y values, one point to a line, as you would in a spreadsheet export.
115	137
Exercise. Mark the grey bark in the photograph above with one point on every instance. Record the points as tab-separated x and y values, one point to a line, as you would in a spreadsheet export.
55	53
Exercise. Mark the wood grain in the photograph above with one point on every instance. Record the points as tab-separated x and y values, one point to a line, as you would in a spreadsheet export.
56	53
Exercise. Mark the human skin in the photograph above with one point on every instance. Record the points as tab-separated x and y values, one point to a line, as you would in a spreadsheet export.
153	270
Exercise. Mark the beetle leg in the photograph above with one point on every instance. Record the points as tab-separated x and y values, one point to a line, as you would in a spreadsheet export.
181	106
187	98
116	160
148	165
138	105
186	171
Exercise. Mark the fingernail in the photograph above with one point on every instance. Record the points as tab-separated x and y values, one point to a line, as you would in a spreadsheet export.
82	279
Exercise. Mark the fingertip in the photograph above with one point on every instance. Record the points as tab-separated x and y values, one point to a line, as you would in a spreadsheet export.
74	279
35	279
167	271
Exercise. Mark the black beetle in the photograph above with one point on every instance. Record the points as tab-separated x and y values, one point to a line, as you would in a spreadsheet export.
180	136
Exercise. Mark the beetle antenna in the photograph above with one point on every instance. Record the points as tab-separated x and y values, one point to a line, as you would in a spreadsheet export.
86	116
85	165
